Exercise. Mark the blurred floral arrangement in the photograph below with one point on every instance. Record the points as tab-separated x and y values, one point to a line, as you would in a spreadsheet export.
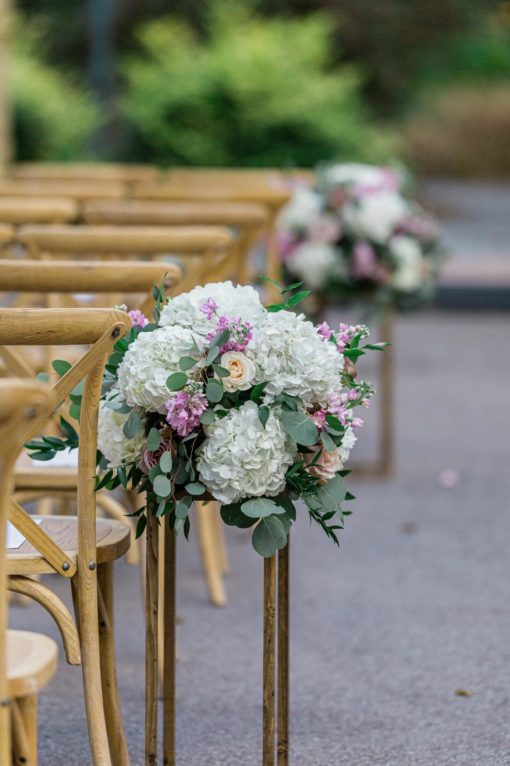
357	235
222	399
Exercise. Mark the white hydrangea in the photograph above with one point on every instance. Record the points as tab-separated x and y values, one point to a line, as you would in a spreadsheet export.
408	275
240	458
313	262
292	357
375	216
356	173
112	442
232	301
150	360
301	211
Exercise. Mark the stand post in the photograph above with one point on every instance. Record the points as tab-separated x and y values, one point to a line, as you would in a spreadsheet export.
387	369
169	618
268	671
151	642
282	743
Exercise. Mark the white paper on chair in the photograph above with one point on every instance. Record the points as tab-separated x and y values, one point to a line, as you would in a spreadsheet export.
14	538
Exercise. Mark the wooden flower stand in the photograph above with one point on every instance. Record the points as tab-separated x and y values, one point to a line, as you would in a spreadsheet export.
275	662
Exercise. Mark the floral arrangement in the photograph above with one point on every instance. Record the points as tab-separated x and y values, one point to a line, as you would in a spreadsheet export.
222	399
356	234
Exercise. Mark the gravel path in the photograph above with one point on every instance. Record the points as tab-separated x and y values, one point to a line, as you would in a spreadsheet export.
414	606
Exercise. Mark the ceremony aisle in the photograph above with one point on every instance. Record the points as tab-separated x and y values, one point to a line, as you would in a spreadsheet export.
392	633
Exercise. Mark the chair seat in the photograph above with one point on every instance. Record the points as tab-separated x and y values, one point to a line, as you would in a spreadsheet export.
31	662
112	540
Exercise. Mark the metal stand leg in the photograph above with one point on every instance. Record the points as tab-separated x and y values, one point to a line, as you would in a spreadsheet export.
169	618
386	435
282	743
268	671
151	642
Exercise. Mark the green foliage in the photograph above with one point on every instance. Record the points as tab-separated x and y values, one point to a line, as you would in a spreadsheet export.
254	92
54	117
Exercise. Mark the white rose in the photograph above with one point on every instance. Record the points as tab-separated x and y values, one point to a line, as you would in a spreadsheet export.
408	275
242	371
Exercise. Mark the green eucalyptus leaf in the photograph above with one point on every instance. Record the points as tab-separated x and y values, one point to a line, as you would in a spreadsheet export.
133	425
186	363
233	516
264	414
300	427
176	381
153	440
214	391
220	371
212	354
327	441
154	471
221	338
42	377
195	488
260	507
162	486
207	418
269	536
181	510
257	391
165	462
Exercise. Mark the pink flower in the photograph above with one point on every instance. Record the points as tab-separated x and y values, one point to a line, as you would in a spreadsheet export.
151	459
325	331
319	418
240	334
364	260
209	308
184	411
357	422
286	245
137	318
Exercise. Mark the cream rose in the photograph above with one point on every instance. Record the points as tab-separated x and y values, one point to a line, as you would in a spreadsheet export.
242	371
329	463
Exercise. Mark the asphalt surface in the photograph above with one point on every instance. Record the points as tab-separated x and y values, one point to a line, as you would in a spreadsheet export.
413	608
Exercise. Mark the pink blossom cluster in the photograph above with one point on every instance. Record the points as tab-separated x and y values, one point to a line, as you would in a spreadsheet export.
340	405
184	411
209	308
137	318
343	335
240	334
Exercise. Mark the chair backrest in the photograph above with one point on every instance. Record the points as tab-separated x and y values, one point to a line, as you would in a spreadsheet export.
202	250
90	171
100	330
238	175
20	403
275	195
74	190
19	210
65	279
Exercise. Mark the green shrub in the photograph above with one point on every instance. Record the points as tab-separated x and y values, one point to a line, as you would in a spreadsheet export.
53	116
256	92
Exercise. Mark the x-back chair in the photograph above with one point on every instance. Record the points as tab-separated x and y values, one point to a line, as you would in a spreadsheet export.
201	249
248	219
82	171
75	190
19	210
81	549
27	660
274	195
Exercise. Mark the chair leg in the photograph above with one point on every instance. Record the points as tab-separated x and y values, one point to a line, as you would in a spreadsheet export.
85	601
113	712
24	731
220	541
206	536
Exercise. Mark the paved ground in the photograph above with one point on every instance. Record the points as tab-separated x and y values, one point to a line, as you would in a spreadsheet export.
414	606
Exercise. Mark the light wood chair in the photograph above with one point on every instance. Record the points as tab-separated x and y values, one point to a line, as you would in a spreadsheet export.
273	195
248	219
27	660
74	190
82	171
19	210
81	549
201	250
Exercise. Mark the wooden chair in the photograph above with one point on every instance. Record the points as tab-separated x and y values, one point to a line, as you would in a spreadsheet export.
61	281
273	195
204	248
85	171
81	549
19	210
74	190
27	660
249	219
